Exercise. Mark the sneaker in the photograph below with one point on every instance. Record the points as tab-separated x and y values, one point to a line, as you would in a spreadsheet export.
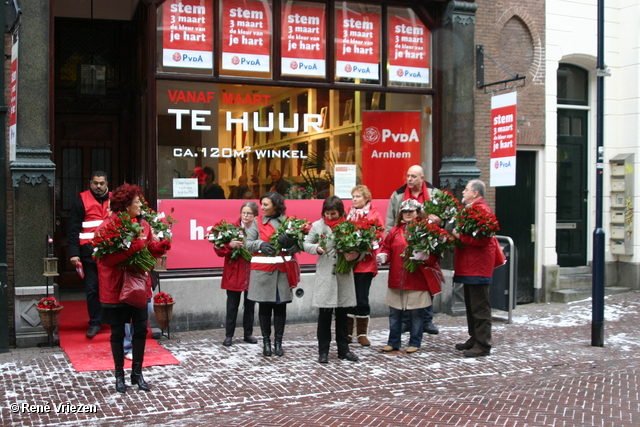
128	356
476	351
388	348
430	328
412	349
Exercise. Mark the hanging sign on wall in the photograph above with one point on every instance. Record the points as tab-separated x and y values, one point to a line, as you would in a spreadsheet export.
187	33
246	35
408	50
357	44
304	39
503	139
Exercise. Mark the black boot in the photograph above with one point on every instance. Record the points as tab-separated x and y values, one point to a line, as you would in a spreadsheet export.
117	350
136	367
278	327
265	327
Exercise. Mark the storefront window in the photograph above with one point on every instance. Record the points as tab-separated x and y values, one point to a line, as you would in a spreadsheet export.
409	49
245	29
236	136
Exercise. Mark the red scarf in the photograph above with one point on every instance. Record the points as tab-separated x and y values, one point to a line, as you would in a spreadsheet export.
332	224
422	197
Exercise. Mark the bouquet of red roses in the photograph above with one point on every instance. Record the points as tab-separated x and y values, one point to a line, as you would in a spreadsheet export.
223	233
117	236
444	205
475	221
295	228
159	222
360	236
424	238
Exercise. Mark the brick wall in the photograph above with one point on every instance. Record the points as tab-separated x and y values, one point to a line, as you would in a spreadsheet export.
512	33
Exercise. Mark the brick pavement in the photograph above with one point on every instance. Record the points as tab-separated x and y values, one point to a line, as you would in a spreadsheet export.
542	372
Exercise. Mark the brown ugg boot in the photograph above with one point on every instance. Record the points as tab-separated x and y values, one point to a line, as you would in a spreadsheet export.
362	328
350	324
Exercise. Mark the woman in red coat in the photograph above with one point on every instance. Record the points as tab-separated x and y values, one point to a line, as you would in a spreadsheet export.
110	276
366	269
235	279
408	292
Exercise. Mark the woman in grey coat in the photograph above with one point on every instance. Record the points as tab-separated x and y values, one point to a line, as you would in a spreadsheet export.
269	284
332	291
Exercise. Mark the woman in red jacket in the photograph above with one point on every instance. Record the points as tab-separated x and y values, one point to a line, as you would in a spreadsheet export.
410	292
235	279
110	274
366	269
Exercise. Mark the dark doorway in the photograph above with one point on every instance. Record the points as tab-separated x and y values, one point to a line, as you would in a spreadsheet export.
94	114
515	209
83	144
572	192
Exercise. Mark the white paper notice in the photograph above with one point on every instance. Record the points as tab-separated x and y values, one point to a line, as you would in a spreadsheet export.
185	187
344	180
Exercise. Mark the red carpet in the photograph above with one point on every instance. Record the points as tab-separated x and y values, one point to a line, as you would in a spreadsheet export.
95	354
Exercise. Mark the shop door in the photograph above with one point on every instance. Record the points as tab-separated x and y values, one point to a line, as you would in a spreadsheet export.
572	192
84	143
515	209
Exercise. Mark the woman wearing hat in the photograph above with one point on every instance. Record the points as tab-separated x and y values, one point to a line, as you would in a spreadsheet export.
407	292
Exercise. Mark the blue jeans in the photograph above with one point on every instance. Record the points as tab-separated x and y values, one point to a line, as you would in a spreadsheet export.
395	327
428	317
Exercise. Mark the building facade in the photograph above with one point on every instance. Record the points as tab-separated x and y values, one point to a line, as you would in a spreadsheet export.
164	93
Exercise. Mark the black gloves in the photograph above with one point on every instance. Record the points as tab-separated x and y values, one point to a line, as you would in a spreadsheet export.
285	241
267	249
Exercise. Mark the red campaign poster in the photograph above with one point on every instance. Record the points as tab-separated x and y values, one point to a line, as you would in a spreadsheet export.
190	248
503	139
304	40
357	44
187	33
13	102
246	35
390	145
408	50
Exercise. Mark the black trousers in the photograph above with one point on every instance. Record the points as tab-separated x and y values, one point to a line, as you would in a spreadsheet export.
267	308
92	291
325	315
478	305
363	284
233	302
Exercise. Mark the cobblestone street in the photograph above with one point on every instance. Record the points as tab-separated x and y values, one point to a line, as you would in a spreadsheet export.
542	372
